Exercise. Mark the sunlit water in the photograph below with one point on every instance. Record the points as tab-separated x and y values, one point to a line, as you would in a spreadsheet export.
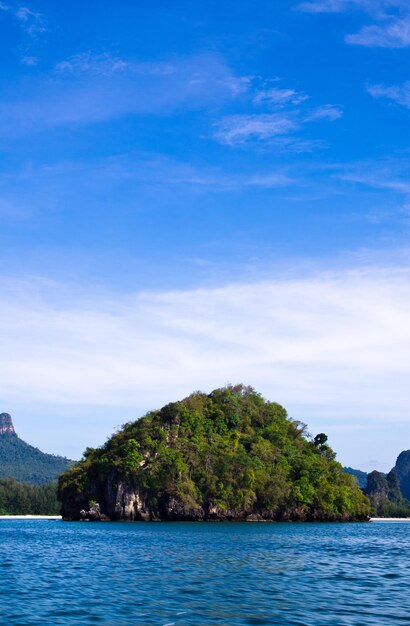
187	573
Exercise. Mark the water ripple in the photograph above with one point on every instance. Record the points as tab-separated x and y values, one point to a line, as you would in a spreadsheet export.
192	574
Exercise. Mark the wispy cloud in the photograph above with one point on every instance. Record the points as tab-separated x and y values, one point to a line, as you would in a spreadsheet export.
392	20
90	88
399	94
379	178
276	96
29	60
336	344
105	64
327	112
276	114
279	125
235	130
375	7
134	180
32	25
395	34
32	22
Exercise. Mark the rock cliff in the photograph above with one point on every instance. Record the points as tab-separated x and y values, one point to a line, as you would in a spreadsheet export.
402	469
6	424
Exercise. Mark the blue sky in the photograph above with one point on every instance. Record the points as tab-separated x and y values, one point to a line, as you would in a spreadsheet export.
200	193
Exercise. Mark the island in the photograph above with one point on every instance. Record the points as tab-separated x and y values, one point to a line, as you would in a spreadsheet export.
229	455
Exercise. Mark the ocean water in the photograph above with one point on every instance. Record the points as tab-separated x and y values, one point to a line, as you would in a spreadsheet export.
185	573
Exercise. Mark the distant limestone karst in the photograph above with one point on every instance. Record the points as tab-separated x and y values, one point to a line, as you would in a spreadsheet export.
24	462
6	424
389	493
402	469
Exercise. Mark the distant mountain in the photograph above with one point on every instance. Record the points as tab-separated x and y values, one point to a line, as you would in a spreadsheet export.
23	462
402	469
360	476
389	493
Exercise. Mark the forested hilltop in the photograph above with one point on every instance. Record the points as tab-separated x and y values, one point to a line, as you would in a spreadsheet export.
24	462
389	494
229	455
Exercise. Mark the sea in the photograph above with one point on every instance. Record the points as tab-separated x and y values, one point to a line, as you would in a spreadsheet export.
121	574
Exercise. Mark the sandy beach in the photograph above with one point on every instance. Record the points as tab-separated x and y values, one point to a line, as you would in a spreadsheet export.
390	519
46	517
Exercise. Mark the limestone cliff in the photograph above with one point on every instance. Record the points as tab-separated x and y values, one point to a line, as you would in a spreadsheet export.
6	424
402	469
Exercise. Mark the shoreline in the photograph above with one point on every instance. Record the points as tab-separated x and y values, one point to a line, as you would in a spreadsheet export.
45	517
389	519
59	518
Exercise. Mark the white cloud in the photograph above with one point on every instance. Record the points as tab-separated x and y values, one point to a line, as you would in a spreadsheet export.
399	94
389	174
333	348
87	89
32	22
30	61
374	7
336	344
378	180
276	113
279	97
395	34
392	20
48	183
235	130
327	112
100	65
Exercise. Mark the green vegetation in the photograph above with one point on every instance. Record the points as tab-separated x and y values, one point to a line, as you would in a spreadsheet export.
385	495
227	455
360	476
27	464
20	499
402	469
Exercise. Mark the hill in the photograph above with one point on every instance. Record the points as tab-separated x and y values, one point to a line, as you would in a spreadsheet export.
389	494
402	469
229	455
23	462
360	476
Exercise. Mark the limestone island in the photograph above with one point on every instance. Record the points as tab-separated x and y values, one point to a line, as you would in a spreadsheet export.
227	456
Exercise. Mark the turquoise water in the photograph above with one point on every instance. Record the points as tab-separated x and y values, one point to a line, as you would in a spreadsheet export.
182	573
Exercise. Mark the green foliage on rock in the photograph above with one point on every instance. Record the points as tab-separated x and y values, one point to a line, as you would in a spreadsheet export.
227	455
20	499
402	469
383	491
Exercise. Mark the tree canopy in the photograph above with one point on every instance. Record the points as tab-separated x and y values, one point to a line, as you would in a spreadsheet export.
230	452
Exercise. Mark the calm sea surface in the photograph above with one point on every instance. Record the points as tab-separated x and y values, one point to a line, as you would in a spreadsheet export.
187	573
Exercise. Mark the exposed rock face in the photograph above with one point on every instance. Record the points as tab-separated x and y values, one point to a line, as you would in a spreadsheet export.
6	424
383	490
93	514
123	501
402	469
